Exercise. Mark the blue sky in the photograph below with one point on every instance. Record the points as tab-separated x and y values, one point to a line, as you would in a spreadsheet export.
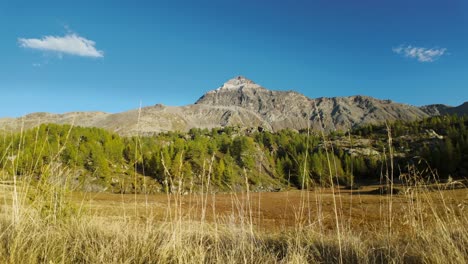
60	56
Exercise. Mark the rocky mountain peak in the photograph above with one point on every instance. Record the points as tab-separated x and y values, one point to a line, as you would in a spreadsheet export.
242	102
239	80
237	83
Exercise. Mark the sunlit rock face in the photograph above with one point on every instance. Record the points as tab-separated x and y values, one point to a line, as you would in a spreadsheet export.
244	103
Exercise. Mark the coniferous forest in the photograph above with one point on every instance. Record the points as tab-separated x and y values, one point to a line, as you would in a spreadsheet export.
298	159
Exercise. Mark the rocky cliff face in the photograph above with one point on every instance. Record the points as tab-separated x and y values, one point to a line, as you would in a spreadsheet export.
241	102
276	108
435	109
289	109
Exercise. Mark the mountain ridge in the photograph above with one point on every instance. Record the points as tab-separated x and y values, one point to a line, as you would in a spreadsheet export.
242	102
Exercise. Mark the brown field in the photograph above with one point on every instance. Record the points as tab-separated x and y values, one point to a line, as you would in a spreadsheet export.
427	224
357	209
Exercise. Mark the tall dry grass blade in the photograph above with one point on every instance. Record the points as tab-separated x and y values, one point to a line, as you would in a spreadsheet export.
332	186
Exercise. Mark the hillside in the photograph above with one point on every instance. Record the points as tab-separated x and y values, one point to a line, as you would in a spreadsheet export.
440	109
99	159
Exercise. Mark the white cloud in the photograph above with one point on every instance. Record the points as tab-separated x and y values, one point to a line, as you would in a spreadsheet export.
72	44
419	53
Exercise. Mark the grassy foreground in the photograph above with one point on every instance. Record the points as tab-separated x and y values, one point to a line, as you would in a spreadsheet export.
45	223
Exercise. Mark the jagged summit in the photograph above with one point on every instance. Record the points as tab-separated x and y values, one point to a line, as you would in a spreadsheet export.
239	80
236	83
288	109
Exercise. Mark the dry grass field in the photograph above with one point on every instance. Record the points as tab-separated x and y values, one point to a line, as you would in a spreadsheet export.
422	224
358	209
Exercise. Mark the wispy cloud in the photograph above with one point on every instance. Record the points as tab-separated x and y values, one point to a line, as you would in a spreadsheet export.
420	53
71	43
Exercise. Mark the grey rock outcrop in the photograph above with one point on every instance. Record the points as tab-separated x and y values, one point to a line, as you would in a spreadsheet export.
289	109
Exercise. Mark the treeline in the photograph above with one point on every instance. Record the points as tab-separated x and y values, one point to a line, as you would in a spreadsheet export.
94	150
230	155
286	157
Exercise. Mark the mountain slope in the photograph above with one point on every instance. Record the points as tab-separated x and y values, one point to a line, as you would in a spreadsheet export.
241	102
459	110
435	109
149	120
440	109
289	109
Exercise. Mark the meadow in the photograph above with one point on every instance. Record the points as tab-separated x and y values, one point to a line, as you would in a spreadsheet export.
45	217
423	224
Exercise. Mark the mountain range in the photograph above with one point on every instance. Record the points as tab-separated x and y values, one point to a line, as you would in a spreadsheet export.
242	102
